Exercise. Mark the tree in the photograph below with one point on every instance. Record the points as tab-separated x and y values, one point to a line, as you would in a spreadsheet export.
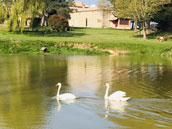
59	7
21	10
104	3
4	10
58	22
139	10
164	17
3	13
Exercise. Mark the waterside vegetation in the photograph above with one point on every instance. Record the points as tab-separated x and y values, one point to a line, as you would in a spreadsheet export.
84	41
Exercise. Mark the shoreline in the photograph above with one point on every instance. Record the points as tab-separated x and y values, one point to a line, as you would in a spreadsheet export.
85	41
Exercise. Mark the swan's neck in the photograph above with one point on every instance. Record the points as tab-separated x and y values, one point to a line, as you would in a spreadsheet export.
106	93
58	91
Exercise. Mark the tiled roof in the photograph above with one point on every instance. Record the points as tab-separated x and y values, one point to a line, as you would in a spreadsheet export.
88	9
79	4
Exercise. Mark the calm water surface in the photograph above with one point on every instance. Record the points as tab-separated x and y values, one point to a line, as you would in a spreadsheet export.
28	92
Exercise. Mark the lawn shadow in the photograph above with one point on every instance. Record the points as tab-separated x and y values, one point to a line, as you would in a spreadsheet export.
138	36
52	34
159	33
152	35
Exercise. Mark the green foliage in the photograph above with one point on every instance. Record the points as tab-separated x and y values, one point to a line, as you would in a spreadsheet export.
104	3
3	13
58	22
59	7
22	10
164	17
141	11
26	47
17	17
83	41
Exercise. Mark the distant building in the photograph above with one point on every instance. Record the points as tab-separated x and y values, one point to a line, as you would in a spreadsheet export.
94	17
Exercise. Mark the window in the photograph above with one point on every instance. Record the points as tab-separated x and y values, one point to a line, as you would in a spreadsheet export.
86	22
124	22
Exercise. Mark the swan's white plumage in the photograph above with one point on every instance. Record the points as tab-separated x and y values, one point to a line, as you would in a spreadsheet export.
65	96
118	93
116	96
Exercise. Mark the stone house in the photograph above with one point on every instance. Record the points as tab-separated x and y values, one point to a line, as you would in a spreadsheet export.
94	17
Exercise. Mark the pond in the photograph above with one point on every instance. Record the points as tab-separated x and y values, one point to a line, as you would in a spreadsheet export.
28	92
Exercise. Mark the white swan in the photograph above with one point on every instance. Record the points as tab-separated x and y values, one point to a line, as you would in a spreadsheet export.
65	96
116	96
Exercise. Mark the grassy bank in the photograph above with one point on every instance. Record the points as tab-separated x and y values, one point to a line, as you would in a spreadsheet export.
83	41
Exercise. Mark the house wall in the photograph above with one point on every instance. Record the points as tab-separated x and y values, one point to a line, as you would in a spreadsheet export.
93	19
106	19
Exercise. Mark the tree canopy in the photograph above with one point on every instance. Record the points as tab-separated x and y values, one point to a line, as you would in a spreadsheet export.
3	14
141	11
18	11
164	17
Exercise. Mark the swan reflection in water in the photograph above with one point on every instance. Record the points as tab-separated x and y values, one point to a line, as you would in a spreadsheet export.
67	102
115	106
65	96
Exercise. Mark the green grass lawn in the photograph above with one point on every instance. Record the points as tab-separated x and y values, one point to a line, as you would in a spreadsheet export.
102	38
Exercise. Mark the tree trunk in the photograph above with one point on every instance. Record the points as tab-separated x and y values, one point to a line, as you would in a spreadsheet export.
147	24
135	25
144	31
43	20
147	27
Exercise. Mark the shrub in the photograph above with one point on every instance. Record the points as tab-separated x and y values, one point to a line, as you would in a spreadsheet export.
58	22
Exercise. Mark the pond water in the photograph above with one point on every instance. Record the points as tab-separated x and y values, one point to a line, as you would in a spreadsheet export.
28	92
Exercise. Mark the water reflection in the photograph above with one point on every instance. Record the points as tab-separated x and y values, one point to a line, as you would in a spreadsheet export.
59	106
66	102
23	88
27	92
116	106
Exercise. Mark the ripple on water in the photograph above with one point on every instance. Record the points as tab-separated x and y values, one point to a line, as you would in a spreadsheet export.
155	109
158	110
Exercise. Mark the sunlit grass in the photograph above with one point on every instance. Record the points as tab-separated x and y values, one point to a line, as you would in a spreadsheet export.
103	38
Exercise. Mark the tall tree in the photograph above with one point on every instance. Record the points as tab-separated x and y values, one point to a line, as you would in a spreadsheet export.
3	13
164	17
21	10
60	7
139	10
104	3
